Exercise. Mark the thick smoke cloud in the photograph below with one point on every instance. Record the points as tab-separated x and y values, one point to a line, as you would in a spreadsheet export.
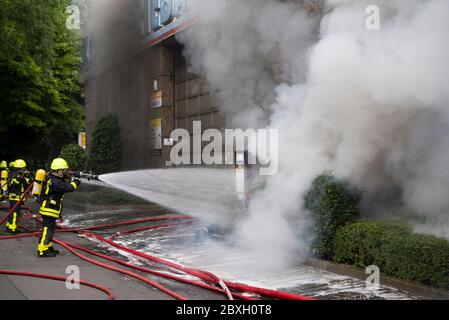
237	44
372	106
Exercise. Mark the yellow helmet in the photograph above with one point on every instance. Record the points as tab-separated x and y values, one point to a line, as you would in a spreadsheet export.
59	164
20	164
3	165
11	165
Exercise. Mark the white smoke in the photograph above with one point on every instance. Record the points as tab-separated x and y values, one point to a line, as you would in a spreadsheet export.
370	105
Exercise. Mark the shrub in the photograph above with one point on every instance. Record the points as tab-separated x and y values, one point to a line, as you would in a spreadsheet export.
396	250
105	154
75	156
333	203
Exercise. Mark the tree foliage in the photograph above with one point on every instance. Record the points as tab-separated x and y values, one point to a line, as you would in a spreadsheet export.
40	80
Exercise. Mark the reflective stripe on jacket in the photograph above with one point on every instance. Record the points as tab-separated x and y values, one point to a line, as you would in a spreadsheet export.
55	188
17	185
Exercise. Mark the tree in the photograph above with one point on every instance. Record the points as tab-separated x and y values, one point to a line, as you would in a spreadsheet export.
40	80
106	151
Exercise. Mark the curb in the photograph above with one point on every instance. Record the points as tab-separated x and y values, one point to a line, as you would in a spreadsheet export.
420	290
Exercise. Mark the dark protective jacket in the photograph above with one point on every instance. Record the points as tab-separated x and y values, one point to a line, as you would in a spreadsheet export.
54	189
17	184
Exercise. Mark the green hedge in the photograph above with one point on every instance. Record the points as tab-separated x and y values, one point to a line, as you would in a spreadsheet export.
75	156
105	154
396	250
333	203
393	247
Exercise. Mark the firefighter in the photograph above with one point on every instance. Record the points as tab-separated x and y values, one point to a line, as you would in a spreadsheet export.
18	182
3	180
56	184
11	166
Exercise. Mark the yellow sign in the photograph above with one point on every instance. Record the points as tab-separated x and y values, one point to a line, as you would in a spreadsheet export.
82	140
156	134
156	99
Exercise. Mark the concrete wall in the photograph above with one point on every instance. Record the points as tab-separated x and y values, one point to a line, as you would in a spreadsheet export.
194	102
125	89
119	80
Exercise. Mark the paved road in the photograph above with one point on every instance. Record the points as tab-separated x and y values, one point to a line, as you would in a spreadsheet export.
20	255
180	245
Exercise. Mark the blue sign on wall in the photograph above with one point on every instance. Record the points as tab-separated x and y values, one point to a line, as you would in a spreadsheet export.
162	12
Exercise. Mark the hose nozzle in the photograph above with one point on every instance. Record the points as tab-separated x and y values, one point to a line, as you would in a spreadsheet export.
84	175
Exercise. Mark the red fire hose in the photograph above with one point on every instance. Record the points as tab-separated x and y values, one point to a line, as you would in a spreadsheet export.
203	275
195	283
17	204
156	273
109	293
123	271
124	233
124	223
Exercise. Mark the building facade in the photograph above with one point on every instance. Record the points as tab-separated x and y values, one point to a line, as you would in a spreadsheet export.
134	68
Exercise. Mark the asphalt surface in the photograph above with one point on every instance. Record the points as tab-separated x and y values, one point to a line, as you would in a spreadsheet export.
21	255
176	244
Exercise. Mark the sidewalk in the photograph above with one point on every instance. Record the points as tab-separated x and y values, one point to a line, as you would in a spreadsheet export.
20	255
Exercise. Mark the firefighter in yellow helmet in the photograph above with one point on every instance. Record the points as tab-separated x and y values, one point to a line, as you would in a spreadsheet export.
57	183
11	166
4	182
18	182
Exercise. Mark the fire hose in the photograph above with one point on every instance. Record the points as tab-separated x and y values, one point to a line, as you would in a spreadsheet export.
160	274
109	293
156	273
123	271
17	204
38	275
210	277
203	275
70	247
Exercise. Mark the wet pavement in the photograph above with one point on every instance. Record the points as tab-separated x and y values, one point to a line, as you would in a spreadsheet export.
188	245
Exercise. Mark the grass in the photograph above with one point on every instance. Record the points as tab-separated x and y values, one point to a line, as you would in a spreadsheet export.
102	196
